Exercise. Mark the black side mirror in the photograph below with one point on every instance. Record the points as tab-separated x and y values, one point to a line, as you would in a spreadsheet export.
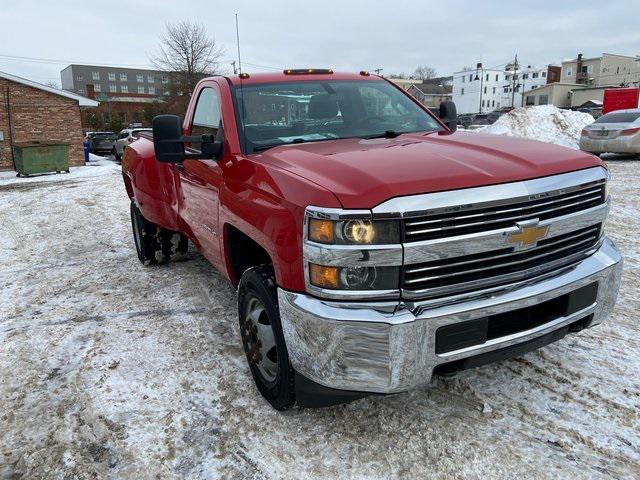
168	141
449	115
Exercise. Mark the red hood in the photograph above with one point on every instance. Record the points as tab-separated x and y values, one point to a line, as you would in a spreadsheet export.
364	173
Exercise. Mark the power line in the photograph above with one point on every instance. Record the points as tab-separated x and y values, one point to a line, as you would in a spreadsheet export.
62	62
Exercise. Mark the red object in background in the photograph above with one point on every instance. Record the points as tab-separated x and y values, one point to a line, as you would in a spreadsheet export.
620	99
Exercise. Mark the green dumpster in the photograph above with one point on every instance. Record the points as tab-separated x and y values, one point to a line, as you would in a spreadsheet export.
40	157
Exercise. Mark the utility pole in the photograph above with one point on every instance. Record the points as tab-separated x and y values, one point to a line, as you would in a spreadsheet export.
479	67
514	78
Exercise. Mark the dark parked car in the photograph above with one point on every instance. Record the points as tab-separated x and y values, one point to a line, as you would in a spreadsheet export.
101	141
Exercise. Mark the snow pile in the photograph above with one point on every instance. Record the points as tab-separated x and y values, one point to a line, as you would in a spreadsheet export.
545	123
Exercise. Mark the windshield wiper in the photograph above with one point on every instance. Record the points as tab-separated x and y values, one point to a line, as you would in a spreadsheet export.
386	134
260	148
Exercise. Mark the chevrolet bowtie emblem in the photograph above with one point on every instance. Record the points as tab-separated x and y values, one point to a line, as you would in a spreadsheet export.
528	235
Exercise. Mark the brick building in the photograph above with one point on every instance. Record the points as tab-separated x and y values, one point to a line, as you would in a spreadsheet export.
30	111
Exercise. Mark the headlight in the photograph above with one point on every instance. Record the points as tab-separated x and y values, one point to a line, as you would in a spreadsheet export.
354	232
354	278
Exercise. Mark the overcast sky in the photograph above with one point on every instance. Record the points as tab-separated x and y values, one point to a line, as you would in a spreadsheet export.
396	35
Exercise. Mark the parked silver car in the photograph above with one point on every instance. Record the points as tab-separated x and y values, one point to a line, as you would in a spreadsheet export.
126	136
615	132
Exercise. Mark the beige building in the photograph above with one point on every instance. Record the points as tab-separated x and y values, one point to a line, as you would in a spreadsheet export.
606	70
558	94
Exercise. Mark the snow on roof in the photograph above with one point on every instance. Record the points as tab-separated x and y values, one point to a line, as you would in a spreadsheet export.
82	101
136	99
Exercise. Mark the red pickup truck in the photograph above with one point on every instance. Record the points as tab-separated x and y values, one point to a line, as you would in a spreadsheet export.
372	246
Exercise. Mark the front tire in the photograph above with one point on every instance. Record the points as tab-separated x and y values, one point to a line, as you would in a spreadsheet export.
262	337
154	244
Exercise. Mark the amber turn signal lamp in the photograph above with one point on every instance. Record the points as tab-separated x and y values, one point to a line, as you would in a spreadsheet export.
321	230
323	277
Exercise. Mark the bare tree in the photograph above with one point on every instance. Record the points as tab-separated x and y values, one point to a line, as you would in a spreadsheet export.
53	84
423	72
188	54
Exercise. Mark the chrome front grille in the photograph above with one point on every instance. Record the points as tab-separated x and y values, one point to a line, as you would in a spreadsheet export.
465	273
502	216
471	240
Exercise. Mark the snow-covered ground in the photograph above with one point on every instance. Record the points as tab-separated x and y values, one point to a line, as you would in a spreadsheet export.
109	369
545	123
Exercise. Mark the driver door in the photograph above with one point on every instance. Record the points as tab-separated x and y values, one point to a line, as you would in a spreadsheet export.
200	180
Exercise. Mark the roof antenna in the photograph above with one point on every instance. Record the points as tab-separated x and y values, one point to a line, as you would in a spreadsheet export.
238	43
242	76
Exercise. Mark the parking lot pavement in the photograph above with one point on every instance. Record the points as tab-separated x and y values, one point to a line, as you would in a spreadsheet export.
112	369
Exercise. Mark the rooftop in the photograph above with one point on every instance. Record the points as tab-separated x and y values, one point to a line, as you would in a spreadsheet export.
82	101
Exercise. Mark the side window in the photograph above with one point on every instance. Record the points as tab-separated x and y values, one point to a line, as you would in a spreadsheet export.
206	118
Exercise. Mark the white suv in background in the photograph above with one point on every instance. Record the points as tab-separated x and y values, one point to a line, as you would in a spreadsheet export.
125	137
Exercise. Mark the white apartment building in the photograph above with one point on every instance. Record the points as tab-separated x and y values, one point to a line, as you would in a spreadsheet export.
482	90
521	81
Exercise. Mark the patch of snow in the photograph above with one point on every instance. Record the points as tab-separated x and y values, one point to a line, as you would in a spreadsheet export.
545	123
95	158
94	169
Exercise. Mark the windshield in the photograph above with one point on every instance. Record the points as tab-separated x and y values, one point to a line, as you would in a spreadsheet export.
619	117
310	111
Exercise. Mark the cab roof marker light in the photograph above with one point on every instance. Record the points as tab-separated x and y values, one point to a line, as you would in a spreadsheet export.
307	71
244	75
364	73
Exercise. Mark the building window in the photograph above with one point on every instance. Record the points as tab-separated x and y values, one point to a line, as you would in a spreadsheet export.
485	89
464	78
482	103
150	79
462	91
535	75
506	90
526	75
97	87
544	74
165	79
140	89
494	90
123	77
569	72
112	77
530	100
81	91
543	99
79	78
471	78
140	78
124	88
487	77
497	76
152	90
590	69
112	88
95	75
507	77
493	103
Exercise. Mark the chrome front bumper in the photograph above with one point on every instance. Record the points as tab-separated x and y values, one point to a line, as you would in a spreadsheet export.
386	348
